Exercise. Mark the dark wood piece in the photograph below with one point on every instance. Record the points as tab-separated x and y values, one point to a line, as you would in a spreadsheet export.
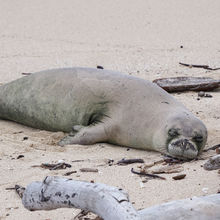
142	173
129	161
180	84
179	177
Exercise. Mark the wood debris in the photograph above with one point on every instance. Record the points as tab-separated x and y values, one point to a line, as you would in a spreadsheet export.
151	164
199	66
94	170
20	156
76	161
167	169
147	165
179	177
142	173
26	74
69	173
18	132
56	192
56	166
180	84
129	161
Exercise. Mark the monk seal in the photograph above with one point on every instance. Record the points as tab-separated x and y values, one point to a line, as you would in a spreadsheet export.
97	105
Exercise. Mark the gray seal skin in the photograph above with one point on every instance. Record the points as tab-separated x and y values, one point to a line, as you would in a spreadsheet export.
97	105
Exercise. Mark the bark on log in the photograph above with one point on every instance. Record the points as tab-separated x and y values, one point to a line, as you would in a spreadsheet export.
108	202
112	203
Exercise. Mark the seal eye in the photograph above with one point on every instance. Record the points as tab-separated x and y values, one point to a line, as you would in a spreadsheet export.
173	132
198	138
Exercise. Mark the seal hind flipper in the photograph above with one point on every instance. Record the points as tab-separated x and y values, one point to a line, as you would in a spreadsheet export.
85	135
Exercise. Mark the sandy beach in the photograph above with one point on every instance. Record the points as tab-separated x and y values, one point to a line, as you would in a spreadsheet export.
143	38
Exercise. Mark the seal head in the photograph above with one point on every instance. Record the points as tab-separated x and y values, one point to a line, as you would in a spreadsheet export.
185	136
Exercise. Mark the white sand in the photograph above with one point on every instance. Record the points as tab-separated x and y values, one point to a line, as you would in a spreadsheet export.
142	38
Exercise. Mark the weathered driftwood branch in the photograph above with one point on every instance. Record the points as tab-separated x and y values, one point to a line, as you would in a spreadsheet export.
108	202
113	203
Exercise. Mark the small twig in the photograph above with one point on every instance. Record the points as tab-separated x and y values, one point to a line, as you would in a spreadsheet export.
129	161
69	173
10	188
94	170
76	161
199	66
147	174
192	65
26	74
60	166
18	132
55	166
212	148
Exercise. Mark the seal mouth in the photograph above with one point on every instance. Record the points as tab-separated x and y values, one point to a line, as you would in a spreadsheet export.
183	148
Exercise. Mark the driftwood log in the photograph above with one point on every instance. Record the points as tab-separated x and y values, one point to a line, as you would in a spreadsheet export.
196	208
112	203
180	84
108	202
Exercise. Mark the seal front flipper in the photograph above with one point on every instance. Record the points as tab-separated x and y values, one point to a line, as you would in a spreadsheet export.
85	135
75	130
78	127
